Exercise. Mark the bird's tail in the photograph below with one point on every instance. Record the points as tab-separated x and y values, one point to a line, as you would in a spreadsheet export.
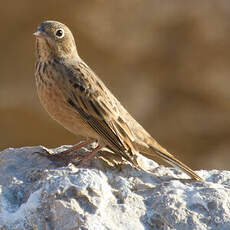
156	149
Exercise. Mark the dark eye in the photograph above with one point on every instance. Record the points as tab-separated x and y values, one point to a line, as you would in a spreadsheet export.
60	33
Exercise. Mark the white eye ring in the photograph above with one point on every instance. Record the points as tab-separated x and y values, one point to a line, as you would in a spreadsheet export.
59	33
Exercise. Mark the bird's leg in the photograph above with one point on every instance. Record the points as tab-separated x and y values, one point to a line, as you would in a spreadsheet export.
76	147
89	155
64	157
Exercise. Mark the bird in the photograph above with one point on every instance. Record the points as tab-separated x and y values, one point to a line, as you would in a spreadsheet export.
76	98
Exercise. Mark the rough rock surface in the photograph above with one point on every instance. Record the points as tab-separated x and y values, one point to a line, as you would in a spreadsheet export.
38	194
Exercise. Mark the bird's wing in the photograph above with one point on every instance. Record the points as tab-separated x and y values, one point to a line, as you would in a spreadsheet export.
99	108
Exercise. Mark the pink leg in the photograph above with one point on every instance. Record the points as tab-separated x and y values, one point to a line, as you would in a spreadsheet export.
66	158
74	148
89	155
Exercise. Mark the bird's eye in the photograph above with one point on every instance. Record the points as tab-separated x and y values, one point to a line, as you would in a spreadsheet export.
60	33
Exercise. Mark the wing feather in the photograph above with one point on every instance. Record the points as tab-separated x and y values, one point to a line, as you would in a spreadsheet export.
98	107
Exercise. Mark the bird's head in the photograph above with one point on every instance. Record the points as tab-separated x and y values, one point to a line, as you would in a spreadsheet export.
54	39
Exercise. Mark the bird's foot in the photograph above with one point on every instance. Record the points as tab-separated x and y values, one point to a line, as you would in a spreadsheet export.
70	155
59	160
71	151
79	162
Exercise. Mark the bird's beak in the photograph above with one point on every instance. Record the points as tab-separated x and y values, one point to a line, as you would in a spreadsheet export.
39	34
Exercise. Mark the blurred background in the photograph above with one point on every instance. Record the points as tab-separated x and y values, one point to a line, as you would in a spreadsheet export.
167	61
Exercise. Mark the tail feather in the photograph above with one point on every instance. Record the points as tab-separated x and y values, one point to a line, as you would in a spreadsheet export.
169	158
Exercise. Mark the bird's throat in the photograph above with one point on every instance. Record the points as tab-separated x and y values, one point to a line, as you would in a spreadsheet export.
43	50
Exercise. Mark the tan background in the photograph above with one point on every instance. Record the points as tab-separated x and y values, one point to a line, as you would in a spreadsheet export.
167	61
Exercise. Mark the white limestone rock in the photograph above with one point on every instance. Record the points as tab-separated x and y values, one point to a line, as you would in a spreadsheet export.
38	194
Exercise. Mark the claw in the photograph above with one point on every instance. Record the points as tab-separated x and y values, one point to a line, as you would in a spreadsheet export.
65	158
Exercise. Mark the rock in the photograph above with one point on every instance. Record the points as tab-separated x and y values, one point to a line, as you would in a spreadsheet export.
36	193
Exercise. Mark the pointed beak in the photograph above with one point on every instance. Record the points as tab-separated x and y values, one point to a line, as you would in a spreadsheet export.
39	34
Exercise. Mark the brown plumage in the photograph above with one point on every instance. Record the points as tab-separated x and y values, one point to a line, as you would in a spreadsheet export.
77	99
